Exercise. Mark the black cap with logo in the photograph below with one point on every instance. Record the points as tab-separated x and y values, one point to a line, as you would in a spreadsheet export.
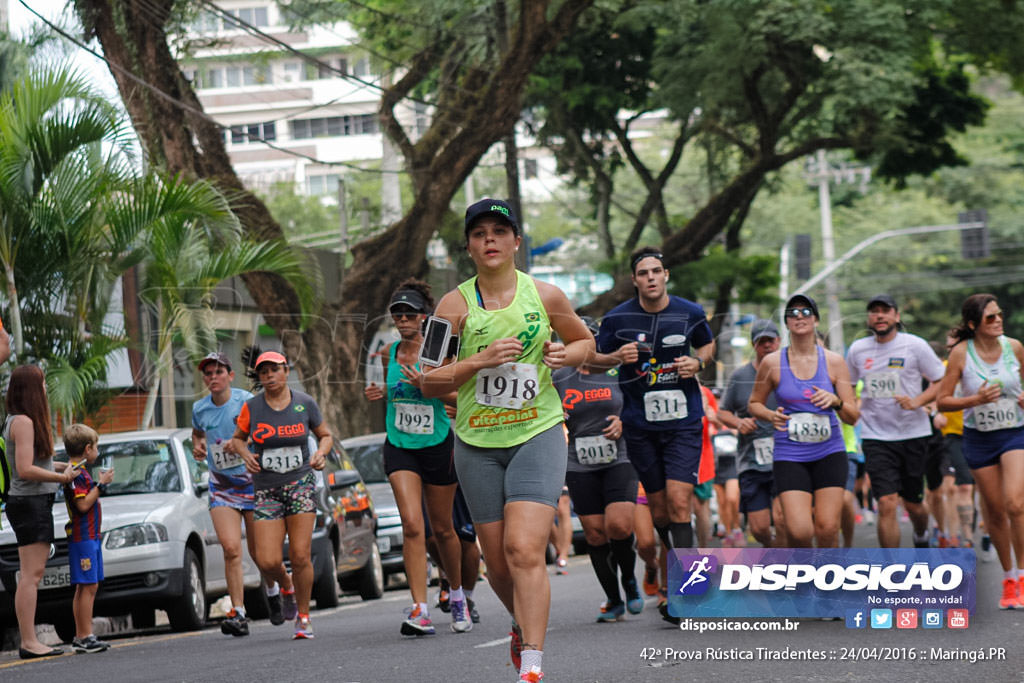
491	207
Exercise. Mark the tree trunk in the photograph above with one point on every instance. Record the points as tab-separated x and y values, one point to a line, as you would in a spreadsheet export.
329	349
16	329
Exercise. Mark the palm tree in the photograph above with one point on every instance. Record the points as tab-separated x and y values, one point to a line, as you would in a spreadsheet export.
187	253
52	124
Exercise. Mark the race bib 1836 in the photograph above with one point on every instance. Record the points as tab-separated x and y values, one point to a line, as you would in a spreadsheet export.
809	427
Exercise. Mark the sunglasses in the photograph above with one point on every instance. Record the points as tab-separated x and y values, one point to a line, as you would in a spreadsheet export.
991	317
404	315
805	312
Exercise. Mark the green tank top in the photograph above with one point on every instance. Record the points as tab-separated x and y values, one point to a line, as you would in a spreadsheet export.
505	406
413	421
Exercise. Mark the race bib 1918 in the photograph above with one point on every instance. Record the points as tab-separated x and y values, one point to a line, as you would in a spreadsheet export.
414	418
510	385
660	406
809	427
282	460
595	450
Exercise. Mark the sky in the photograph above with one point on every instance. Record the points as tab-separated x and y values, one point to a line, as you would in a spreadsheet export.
22	20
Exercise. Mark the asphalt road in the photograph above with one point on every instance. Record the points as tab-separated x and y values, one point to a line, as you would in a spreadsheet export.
359	641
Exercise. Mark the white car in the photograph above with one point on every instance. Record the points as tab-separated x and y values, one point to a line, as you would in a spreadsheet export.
160	550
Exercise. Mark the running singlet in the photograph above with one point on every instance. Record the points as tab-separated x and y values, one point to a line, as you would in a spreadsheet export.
894	368
656	398
1004	412
280	438
588	400
754	450
412	421
218	423
812	432
507	405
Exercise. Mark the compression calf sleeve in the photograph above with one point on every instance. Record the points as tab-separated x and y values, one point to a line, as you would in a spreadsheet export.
682	534
600	558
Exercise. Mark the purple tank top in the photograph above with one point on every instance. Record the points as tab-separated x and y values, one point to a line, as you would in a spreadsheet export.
804	441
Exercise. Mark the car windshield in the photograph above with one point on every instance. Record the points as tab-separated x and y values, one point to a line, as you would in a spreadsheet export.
369	460
139	467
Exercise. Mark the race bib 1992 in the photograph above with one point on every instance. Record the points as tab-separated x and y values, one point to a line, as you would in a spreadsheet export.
414	418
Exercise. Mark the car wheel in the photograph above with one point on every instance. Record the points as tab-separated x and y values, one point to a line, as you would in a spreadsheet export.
326	591
188	613
143	617
371	578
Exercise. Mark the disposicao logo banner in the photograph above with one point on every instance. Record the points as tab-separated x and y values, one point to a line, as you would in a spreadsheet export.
817	582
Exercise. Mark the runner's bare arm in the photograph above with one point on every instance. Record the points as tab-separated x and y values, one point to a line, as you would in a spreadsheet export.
839	371
944	399
579	345
453	374
765	383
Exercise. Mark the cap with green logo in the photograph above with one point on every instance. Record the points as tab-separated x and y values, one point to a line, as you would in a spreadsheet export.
491	207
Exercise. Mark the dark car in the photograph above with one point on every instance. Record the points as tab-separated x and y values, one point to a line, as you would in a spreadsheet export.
345	535
367	454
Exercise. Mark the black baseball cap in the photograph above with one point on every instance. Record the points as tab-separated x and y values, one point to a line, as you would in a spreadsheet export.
491	207
883	299
215	357
410	298
802	299
763	328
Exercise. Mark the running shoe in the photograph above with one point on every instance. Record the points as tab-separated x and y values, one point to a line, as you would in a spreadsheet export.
561	565
274	603
663	611
416	623
634	603
738	539
611	612
303	629
869	517
89	645
1010	595
515	646
534	675
474	616
935	538
443	597
289	608
461	621
234	624
1020	592
651	581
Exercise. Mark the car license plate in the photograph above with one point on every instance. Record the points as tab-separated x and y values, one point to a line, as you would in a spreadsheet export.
53	577
384	544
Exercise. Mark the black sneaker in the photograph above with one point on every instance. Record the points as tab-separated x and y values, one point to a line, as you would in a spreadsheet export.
443	597
89	645
663	610
276	616
473	614
234	625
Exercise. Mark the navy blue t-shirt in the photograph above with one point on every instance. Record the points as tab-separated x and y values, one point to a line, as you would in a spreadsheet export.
654	394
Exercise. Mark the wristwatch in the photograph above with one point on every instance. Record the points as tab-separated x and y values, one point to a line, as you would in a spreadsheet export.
702	364
102	488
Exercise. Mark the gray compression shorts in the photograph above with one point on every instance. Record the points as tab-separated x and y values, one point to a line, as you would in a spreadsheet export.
531	471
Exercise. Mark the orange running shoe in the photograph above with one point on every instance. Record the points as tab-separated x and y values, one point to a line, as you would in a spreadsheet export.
1010	597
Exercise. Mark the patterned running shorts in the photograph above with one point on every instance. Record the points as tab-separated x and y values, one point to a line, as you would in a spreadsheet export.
290	499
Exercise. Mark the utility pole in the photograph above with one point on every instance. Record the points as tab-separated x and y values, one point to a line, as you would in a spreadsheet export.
820	173
343	229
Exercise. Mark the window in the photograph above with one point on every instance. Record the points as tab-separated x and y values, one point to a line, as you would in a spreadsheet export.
215	78
292	72
237	134
259	17
361	124
530	168
253	132
232	77
322	184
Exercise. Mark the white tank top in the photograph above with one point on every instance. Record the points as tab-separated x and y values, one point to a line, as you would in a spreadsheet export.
1003	413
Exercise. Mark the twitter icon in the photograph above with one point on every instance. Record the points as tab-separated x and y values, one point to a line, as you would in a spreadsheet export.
881	618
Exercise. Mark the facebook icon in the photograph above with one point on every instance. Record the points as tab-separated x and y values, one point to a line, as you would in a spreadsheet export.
856	618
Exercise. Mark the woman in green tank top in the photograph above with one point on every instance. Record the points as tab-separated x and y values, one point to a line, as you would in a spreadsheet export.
418	461
508	424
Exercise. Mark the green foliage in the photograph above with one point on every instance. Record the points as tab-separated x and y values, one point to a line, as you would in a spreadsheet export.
756	277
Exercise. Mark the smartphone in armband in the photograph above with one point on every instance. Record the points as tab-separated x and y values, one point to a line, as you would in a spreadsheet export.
437	342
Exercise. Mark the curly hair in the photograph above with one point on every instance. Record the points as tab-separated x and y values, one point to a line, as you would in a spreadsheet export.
418	286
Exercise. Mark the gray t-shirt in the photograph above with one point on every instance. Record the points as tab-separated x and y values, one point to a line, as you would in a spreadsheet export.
891	369
280	438
588	400
25	487
737	395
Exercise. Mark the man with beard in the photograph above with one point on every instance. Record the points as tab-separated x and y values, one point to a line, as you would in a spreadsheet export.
895	426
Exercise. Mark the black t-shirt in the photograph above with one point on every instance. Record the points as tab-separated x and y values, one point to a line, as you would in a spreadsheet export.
588	399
